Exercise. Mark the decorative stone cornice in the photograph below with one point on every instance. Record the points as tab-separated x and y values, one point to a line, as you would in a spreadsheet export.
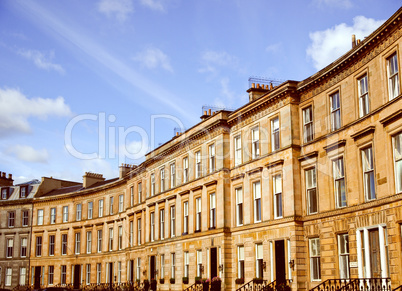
391	118
336	145
366	131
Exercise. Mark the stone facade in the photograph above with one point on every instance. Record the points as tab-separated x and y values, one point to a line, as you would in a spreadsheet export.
304	182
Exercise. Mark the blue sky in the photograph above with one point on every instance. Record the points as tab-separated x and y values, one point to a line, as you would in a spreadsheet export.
87	85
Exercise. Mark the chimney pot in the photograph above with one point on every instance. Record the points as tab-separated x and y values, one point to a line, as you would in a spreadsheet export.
209	111
252	85
205	112
10	176
353	40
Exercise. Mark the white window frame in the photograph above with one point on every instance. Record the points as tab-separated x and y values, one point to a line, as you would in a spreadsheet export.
368	173
393	76
343	252
152	184
315	259
38	246
259	259
257	201
89	242
198	212
240	262
9	275
120	237
172	175
139	189
308	124
172	221
162	266
90	210
198	166
173	265
111	205
152	226
52	244
212	210
239	206
77	248
40	217
78	212
278	197
64	244
99	240
311	189
185	218
139	231
162	223
51	275
88	274
275	134
199	262
24	246
185	170
162	179
65	213
121	202
25	217
212	158
338	169
110	242
131	239
53	215
100	208
335	106
364	102
186	264
10	248
255	142
397	154
238	150
98	273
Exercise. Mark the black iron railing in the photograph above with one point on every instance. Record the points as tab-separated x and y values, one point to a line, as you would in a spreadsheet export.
399	288
195	287
361	284
254	285
278	286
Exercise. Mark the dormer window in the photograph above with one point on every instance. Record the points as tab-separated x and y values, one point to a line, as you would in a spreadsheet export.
23	191
4	193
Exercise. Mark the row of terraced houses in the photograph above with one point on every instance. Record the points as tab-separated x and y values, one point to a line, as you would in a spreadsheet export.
302	184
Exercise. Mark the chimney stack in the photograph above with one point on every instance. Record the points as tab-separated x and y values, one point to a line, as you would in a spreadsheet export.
4	181
257	90
91	178
125	168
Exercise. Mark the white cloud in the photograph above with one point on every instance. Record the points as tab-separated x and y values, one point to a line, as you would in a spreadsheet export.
274	48
154	5
15	109
211	60
29	154
41	60
327	45
153	58
116	8
345	4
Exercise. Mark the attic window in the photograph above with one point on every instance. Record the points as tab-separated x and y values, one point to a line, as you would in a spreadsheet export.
23	191
4	193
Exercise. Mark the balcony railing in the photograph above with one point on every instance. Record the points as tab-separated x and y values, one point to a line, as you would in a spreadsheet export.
361	284
254	285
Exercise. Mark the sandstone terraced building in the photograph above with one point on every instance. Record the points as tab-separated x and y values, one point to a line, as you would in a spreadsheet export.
303	183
